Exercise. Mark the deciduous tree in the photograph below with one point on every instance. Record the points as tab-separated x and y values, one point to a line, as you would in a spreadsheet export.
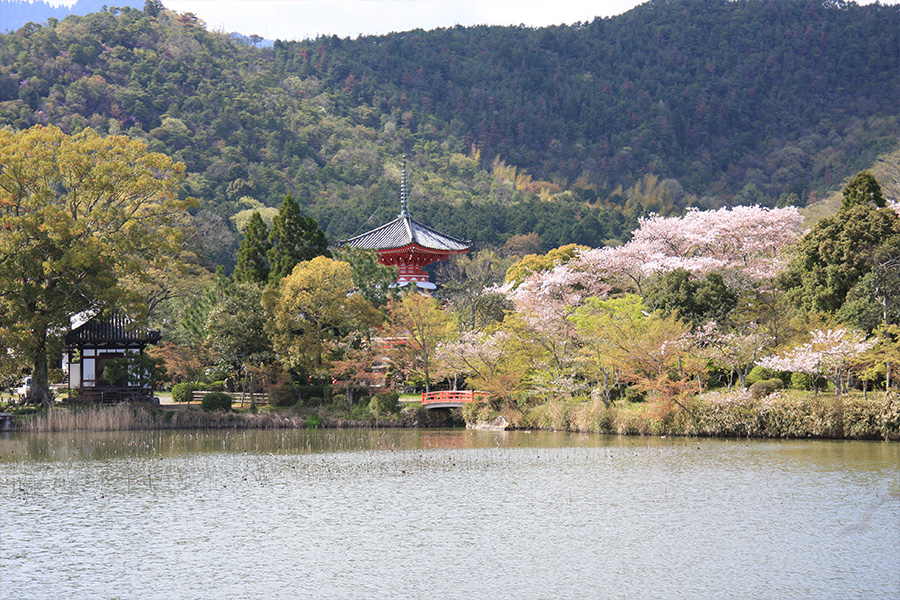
745	239
469	289
830	353
423	325
77	213
313	307
236	329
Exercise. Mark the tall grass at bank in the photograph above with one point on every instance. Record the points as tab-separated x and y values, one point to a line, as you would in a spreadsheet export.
784	414
128	417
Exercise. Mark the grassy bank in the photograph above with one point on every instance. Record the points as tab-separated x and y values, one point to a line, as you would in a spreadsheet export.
129	417
125	417
786	414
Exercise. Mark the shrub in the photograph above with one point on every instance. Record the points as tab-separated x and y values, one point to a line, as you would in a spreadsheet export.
385	403
181	392
632	394
762	374
805	381
284	395
764	388
312	392
216	401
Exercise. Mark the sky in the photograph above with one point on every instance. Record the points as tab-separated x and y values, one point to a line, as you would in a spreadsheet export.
301	19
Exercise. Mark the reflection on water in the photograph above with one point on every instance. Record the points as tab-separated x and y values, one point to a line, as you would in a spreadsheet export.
445	514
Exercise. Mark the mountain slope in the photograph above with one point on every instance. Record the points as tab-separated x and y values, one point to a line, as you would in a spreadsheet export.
568	132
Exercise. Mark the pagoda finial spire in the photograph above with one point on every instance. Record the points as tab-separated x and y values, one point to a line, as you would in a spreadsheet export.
404	195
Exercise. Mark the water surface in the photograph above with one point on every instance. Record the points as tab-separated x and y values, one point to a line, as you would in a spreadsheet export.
445	514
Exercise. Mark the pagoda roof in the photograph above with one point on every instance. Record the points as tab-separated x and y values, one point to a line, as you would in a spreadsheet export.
404	231
112	330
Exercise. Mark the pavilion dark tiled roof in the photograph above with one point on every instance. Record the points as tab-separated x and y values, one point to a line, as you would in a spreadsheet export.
404	231
115	329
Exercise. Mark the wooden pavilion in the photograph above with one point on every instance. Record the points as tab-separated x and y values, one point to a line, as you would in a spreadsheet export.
91	346
408	244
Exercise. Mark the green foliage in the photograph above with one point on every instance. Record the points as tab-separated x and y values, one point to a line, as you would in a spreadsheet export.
375	281
385	404
765	387
311	310
322	119
181	392
758	374
293	239
863	189
138	370
152	8
805	381
535	263
633	394
253	263
287	394
309	392
236	328
79	214
216	401
697	301
837	254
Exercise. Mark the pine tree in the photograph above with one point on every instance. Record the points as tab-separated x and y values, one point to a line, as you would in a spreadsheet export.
252	265
294	239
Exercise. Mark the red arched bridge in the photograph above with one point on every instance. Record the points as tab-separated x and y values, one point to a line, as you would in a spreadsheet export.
452	398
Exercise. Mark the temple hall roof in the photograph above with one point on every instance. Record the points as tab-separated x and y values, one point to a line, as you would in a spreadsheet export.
112	329
404	231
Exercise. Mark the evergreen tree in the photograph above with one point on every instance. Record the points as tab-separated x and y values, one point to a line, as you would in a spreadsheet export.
863	189
294	239
252	265
152	8
192	324
840	250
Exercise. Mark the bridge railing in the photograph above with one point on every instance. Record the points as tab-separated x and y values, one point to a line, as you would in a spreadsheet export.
453	396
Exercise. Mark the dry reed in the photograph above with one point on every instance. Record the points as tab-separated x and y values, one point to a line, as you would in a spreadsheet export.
129	417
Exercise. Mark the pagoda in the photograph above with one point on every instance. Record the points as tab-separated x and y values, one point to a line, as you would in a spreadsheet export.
408	244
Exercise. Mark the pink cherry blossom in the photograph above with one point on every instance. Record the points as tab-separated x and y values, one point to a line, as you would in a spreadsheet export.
749	239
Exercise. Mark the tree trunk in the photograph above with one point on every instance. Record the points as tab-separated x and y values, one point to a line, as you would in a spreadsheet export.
40	385
887	383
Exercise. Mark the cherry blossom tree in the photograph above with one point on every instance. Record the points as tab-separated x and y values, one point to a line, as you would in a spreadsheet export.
830	353
747	239
490	362
736	351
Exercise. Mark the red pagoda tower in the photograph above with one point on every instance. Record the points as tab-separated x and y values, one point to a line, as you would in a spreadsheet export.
408	244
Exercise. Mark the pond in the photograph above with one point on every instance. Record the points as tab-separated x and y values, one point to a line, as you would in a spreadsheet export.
445	514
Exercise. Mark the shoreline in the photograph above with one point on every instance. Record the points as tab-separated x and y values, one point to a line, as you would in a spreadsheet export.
712	416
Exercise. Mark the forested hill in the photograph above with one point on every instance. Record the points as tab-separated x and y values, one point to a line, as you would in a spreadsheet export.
570	132
716	94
